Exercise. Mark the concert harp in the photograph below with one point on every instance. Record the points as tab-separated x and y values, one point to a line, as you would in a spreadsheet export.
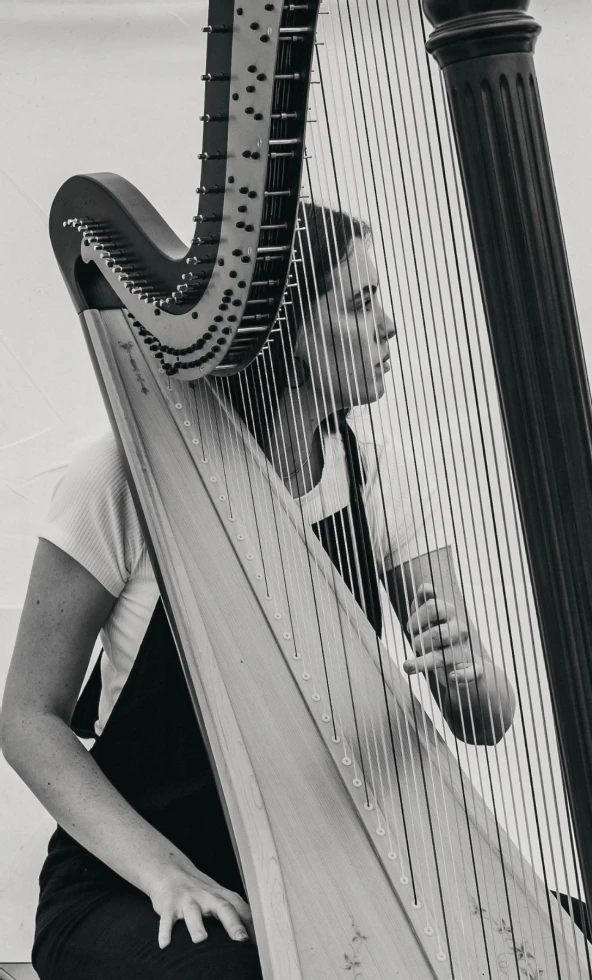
372	843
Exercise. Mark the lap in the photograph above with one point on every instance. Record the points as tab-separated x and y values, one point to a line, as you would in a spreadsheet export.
116	939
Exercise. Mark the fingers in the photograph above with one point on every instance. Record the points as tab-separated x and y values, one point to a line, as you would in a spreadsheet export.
443	635
246	916
458	665
229	908
431	612
165	928
465	673
421	665
226	913
194	922
424	592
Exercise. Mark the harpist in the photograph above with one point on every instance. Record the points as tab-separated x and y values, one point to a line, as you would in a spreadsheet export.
141	880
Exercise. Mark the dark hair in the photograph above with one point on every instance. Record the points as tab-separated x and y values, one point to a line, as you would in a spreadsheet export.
322	243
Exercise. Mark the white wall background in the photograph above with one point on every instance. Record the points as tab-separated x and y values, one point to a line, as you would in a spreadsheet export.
115	86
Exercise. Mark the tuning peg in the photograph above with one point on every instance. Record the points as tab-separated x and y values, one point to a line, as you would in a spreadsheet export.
199	218
206	241
214	189
216	155
213	117
215	76
217	29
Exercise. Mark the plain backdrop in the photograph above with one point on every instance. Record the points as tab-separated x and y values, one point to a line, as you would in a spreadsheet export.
115	86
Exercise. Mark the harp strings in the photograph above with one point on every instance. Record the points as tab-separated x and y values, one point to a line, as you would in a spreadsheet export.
450	839
341	335
430	303
425	843
506	534
506	818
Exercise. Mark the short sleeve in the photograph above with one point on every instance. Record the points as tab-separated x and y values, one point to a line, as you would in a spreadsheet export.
92	516
403	505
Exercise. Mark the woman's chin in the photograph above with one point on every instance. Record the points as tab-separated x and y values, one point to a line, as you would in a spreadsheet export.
370	393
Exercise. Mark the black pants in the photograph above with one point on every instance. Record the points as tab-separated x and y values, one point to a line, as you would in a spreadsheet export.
106	931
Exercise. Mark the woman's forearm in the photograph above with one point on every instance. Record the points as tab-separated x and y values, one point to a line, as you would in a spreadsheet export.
66	779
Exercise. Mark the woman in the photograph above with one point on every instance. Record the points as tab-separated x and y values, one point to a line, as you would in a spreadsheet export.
142	843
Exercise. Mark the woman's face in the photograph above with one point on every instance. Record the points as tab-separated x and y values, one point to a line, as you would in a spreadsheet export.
347	353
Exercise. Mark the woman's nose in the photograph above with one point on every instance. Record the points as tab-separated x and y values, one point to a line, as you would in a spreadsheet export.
390	327
386	326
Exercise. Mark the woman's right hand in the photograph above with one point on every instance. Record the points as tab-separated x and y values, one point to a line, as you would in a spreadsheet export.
191	895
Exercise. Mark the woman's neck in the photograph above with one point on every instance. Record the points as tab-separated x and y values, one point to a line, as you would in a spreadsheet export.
297	452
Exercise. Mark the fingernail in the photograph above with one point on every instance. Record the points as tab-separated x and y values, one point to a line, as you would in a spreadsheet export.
241	934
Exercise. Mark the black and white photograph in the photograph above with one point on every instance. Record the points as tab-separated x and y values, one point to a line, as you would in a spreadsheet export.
296	490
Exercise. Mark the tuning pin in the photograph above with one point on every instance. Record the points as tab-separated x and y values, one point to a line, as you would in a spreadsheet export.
194	260
213	117
213	189
215	76
217	29
216	155
198	218
206	241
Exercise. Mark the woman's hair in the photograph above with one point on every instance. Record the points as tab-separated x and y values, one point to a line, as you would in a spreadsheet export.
323	242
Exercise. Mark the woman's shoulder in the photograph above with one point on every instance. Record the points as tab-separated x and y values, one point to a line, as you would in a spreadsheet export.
92	514
98	464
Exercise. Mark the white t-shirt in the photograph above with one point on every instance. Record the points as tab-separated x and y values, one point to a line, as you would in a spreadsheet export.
93	519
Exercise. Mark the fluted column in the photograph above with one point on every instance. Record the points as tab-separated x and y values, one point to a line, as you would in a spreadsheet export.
485	49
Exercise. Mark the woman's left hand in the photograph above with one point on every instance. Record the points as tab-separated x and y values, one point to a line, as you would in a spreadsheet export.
440	640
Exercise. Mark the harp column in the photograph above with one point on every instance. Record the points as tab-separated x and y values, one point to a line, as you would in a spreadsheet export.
485	50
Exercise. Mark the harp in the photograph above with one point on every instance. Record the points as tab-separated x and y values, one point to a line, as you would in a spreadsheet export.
364	839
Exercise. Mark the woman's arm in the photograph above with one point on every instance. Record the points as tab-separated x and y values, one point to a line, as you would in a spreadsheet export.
473	694
64	610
